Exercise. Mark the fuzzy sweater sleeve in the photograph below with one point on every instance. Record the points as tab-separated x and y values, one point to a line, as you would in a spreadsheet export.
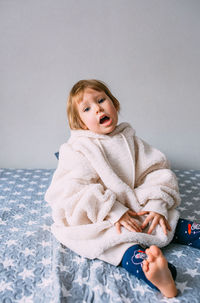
77	195
156	185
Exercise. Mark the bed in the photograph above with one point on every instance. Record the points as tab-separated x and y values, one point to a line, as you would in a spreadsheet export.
34	267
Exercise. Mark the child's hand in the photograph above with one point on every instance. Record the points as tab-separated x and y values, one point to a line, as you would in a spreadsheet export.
155	219
128	222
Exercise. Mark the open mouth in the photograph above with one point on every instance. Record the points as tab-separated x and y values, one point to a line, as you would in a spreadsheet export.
104	119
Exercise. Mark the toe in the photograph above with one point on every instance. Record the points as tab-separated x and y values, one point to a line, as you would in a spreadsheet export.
155	251
150	256
145	265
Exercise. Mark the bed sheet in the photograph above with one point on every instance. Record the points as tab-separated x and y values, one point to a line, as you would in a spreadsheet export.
34	267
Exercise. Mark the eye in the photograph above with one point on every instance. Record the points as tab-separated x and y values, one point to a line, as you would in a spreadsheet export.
101	100
86	109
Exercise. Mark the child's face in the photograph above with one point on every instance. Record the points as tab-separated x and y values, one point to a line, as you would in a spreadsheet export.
97	112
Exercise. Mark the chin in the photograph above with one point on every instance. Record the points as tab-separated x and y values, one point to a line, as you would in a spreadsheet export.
108	131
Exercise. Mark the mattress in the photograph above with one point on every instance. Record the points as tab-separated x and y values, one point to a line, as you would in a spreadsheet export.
35	267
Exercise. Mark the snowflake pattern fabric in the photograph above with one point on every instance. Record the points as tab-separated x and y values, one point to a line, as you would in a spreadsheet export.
34	267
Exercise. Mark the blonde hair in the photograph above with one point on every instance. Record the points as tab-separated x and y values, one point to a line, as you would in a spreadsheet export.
76	94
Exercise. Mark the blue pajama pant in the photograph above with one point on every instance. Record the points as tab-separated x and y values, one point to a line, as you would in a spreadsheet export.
187	233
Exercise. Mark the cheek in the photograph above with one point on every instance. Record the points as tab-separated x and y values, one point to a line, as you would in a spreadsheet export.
88	120
114	112
91	121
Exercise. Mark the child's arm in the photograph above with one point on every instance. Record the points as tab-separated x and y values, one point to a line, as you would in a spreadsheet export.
156	185
76	194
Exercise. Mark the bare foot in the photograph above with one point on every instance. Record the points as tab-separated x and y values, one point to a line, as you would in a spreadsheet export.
156	270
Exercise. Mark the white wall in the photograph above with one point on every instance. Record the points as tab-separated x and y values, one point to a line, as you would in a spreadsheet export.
146	50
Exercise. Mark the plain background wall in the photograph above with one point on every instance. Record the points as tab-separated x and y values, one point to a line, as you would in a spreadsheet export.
146	51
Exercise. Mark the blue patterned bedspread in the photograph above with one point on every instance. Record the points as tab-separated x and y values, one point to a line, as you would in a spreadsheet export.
34	267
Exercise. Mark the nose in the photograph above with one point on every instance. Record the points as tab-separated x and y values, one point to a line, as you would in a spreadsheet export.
98	108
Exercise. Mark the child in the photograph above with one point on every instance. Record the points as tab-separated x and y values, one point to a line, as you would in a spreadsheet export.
112	192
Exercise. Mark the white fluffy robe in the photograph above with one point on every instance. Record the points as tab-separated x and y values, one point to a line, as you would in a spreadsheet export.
100	177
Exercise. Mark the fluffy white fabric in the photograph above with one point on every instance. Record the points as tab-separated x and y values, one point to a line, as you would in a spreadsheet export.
100	177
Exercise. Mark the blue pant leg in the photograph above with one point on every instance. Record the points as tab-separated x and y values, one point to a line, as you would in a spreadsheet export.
187	233
132	262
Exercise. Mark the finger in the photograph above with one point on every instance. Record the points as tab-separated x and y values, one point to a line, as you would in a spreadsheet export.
129	227
128	219
153	225
132	213
168	226
141	213
131	222
163	225
118	227
134	224
146	221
